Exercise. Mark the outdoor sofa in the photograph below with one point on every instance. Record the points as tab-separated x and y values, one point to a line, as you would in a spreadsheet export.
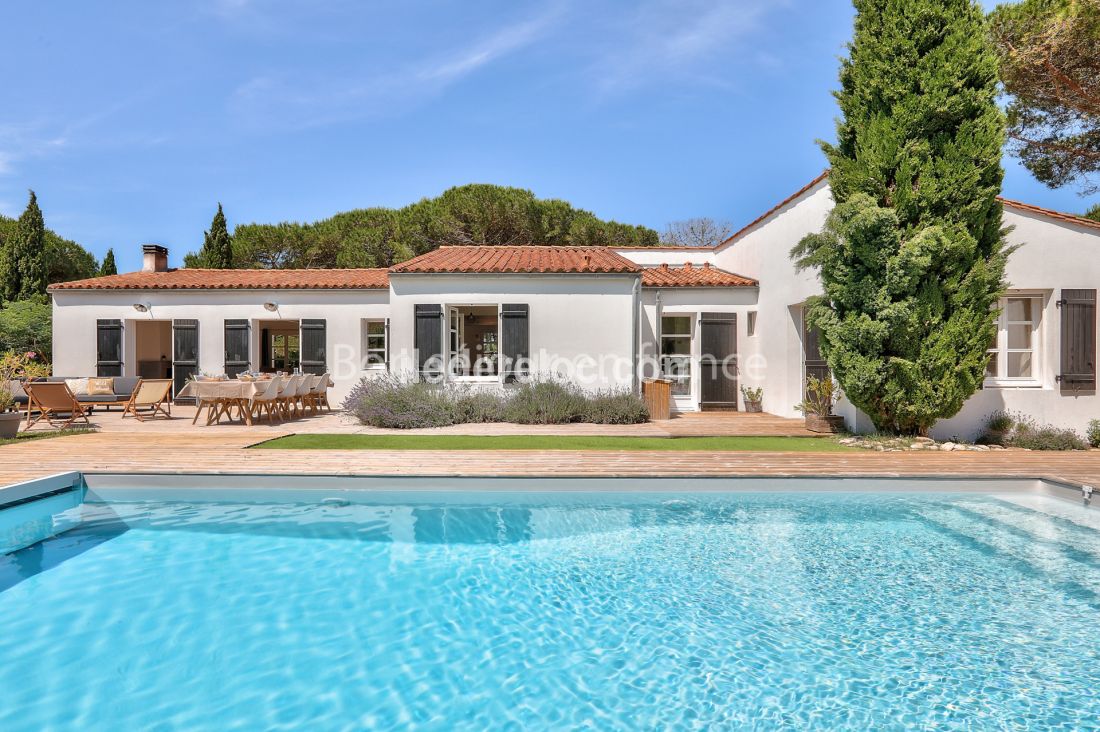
122	388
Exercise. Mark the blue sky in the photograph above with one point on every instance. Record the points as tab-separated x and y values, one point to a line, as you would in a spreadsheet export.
132	119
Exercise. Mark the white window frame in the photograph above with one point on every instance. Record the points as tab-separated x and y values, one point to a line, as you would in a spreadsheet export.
367	350
686	358
1000	379
464	378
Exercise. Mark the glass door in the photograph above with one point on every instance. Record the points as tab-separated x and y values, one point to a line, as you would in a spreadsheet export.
676	353
455	336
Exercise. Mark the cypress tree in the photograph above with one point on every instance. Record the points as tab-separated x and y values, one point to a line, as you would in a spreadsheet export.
911	259
23	270
108	267
217	247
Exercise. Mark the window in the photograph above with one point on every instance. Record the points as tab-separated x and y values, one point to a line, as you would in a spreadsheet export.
750	323
473	341
676	352
1014	353
284	351
374	344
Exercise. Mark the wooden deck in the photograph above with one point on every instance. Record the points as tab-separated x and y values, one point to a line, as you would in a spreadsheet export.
202	451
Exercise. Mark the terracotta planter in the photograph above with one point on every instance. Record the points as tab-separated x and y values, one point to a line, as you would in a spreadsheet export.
9	424
831	425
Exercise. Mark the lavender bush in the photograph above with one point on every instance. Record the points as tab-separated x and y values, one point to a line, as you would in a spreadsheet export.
397	403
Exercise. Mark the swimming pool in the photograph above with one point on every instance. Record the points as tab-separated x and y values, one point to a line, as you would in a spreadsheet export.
558	610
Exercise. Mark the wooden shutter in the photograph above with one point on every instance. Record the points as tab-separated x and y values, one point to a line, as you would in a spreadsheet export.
1078	367
718	365
813	363
387	344
428	341
237	336
313	346
108	348
185	352
515	341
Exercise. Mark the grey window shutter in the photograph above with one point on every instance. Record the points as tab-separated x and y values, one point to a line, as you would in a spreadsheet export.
387	344
428	341
312	346
515	340
1078	367
236	347
185	351
108	348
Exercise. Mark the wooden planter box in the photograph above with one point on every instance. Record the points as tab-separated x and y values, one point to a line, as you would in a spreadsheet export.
657	394
830	425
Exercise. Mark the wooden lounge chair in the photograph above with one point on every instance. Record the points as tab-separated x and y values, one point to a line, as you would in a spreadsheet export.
151	394
53	400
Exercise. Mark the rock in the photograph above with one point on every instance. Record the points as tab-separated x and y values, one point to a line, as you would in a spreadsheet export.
925	440
949	446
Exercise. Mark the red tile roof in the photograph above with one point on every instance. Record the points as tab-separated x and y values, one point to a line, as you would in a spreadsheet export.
519	260
237	279
693	276
1069	218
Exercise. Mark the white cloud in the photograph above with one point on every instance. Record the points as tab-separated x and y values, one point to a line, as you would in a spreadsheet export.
267	101
666	37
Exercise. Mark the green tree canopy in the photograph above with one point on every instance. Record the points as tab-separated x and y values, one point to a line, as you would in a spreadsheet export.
65	259
912	258
23	266
1050	64
108	267
25	325
1093	213
217	247
470	214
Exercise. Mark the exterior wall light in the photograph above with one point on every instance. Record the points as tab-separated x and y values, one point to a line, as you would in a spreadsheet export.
271	306
141	307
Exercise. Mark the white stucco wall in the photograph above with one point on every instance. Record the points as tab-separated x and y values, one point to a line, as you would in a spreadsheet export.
1052	255
673	257
75	314
583	322
693	301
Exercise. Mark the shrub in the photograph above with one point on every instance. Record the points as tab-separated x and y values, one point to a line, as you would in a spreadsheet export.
1047	438
1094	433
546	402
616	407
1012	430
391	402
478	407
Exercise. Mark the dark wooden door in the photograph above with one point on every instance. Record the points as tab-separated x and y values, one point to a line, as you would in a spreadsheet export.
185	352
812	362
718	362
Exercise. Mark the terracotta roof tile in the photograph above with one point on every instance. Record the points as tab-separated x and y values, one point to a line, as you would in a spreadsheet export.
693	276
236	279
1069	218
519	260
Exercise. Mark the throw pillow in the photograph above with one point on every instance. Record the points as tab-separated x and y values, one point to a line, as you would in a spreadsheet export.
101	387
77	386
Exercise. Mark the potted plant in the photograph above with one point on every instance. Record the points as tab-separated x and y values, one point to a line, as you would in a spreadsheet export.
753	398
817	407
15	367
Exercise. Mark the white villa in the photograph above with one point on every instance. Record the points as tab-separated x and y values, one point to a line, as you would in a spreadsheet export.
603	317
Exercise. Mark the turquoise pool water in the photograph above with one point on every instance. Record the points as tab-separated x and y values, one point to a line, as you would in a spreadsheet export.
828	611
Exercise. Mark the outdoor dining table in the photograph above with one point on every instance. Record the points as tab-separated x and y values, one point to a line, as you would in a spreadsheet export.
222	396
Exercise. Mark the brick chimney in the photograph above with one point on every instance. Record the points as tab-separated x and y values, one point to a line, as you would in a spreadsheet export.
154	258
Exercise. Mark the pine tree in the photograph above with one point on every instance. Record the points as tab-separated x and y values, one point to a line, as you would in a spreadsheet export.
217	247
108	267
912	257
23	270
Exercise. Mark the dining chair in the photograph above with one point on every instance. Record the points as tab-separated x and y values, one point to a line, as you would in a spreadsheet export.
288	395
268	399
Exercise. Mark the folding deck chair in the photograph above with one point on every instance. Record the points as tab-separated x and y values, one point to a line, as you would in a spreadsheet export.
52	400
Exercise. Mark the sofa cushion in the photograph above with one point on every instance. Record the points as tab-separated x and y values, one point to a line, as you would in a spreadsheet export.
78	386
97	398
124	385
100	386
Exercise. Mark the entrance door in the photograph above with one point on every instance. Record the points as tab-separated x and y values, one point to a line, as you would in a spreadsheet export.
185	352
812	362
718	362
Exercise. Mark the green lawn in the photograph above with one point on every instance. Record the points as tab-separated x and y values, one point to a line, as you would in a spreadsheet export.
527	442
28	436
